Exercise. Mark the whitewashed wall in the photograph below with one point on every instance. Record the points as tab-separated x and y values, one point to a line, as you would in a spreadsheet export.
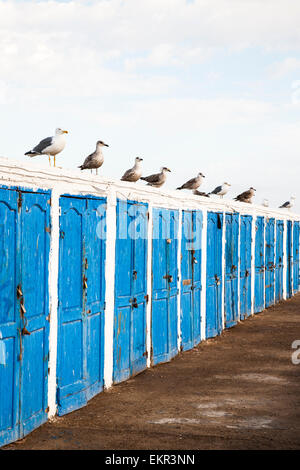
13	173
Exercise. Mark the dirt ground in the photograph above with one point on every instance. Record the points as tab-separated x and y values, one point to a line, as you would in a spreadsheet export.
237	391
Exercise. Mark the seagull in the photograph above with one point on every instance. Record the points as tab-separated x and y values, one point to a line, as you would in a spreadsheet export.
246	196
199	193
50	145
193	183
157	179
221	190
135	172
289	204
95	159
265	202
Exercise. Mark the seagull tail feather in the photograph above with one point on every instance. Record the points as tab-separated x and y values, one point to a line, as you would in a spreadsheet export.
31	153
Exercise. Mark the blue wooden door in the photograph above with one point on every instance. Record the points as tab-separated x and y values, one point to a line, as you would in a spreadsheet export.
130	290
245	265
24	311
190	317
81	290
259	301
164	285
214	274
296	257
269	262
231	269
279	261
289	259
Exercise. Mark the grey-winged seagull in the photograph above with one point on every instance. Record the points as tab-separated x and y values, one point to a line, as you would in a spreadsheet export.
246	196
193	183
158	179
289	204
50	145
95	159
221	190
134	173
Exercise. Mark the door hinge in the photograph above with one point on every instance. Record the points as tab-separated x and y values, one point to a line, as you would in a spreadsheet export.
146	298
19	201
47	409
48	229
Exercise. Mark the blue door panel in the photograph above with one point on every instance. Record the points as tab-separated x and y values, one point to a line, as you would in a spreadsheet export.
24	311
81	301
214	274
130	290
289	257
269	262
296	257
190	318
231	269
259	288
245	266
279	261
164	328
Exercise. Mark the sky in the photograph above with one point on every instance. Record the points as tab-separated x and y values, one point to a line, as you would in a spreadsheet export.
195	85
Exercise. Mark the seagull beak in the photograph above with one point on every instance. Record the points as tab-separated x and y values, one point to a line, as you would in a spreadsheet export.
169	170
65	132
106	145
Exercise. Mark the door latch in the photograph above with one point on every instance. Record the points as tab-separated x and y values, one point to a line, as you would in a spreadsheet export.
19	292
168	277
134	275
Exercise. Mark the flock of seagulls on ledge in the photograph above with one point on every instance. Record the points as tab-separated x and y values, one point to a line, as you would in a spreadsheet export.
52	146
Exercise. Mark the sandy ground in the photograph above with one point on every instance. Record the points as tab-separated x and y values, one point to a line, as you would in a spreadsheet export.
237	391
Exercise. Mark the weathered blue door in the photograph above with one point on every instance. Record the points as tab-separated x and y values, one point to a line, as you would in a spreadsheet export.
259	288
245	266
81	291
191	279
289	260
164	285
231	269
296	257
269	262
279	261
24	311
214	274
130	290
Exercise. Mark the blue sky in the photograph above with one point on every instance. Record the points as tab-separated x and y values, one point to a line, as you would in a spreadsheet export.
211	86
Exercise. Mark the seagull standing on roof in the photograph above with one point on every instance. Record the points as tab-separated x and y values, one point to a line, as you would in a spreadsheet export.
289	204
221	190
193	183
158	179
50	145
95	159
246	196
135	172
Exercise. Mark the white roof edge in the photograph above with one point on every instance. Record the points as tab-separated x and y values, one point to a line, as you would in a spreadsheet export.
69	181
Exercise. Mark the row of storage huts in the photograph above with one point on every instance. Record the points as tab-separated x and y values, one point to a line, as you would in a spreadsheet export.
101	279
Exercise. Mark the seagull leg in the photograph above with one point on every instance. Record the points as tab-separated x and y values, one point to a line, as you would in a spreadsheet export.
49	160
54	160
